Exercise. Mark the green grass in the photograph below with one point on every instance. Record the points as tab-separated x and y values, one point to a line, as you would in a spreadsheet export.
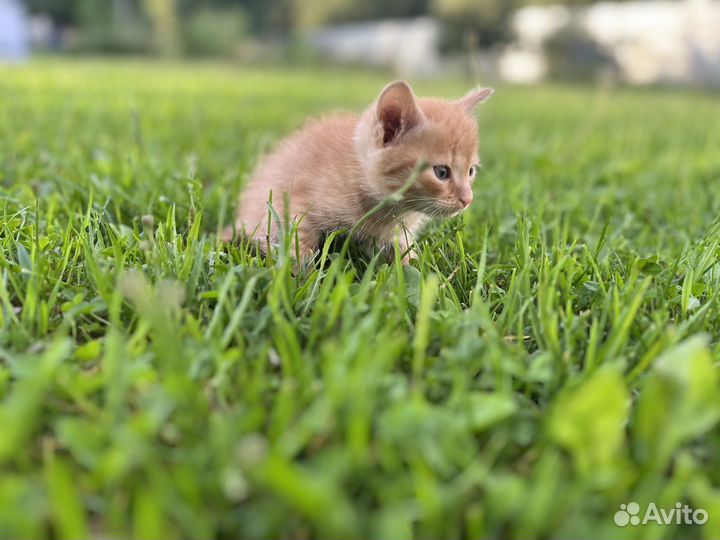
552	354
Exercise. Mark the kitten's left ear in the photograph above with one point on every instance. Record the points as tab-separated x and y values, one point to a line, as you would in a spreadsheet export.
397	110
474	98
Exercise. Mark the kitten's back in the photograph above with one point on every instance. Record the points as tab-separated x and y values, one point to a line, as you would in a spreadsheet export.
320	157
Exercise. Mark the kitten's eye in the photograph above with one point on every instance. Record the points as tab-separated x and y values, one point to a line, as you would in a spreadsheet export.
442	172
472	171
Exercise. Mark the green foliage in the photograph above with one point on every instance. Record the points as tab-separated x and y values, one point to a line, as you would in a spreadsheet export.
214	32
678	403
116	28
552	353
469	23
589	421
572	55
466	22
164	17
312	13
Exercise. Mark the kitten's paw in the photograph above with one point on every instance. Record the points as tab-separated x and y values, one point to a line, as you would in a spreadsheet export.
227	234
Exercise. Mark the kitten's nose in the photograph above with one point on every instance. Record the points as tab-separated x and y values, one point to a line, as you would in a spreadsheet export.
465	198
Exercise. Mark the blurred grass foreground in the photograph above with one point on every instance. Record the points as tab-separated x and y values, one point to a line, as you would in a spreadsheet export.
551	356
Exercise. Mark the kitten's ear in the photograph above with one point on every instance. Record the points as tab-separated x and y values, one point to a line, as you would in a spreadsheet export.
474	98
397	111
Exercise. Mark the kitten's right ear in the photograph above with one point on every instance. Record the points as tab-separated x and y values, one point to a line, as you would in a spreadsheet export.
397	111
475	97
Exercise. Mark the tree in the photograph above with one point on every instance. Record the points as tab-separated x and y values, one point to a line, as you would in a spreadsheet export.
164	19
476	22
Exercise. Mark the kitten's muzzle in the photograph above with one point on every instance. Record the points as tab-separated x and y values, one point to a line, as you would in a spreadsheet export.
464	195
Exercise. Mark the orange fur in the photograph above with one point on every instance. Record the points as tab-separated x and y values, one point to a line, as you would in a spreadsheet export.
336	169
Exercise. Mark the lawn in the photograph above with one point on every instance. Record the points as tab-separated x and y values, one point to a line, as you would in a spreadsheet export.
551	355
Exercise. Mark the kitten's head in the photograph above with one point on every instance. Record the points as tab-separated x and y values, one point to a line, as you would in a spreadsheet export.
399	131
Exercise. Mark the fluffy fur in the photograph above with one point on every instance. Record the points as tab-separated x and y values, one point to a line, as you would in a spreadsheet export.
337	168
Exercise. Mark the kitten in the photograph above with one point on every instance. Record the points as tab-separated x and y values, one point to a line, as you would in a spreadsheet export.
338	168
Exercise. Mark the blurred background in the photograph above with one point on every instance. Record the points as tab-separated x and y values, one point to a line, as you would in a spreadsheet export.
670	42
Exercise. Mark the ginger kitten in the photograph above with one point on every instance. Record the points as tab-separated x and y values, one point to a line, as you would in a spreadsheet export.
336	169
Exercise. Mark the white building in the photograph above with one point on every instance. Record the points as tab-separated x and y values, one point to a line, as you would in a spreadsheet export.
656	41
13	31
408	46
